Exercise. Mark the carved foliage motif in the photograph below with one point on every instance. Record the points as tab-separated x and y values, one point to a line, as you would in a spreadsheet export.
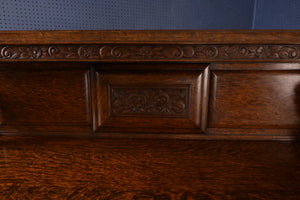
151	52
160	101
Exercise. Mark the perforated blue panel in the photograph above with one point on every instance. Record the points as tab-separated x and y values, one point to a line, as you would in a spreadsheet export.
125	14
277	14
49	14
176	14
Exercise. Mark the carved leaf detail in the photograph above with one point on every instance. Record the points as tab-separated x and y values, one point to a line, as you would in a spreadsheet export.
151	52
162	101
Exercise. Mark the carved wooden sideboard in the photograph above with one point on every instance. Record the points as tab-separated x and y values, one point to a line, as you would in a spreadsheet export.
150	114
200	84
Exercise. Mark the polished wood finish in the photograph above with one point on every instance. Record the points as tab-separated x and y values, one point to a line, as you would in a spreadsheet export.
151	37
164	45
43	96
133	101
150	53
161	115
197	84
80	168
265	99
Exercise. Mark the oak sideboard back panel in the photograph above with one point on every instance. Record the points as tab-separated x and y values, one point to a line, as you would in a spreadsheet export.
44	97
156	84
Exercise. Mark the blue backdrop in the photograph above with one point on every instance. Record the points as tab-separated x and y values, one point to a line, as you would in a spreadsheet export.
148	14
277	14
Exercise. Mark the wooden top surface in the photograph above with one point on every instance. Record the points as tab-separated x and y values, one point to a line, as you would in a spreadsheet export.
90	168
153	36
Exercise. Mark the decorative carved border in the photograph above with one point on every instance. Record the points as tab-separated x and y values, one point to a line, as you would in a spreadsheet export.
164	101
151	52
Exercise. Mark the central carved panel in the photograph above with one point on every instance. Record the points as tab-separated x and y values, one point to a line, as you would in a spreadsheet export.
148	101
169	101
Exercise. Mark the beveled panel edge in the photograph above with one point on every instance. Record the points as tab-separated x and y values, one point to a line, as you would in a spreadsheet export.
95	104
205	99
195	117
1	117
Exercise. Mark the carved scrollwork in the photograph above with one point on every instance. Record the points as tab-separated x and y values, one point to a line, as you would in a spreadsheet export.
23	52
141	52
53	51
152	52
208	52
170	101
84	52
9	53
283	52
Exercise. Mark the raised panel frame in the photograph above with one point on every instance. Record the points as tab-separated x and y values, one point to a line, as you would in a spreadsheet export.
267	100
151	82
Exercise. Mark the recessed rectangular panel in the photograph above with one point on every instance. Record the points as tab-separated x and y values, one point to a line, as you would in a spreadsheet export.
148	101
255	99
44	97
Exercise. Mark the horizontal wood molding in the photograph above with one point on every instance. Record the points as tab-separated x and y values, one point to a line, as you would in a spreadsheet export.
133	52
151	37
203	84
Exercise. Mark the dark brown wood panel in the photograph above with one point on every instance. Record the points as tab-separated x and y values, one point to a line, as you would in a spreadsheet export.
146	95
256	99
152	37
150	101
135	169
42	95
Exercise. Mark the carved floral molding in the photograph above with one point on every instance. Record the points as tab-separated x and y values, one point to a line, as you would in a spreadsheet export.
151	52
161	101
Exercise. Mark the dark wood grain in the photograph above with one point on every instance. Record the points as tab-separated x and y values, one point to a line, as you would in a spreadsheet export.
65	168
42	96
157	52
265	99
134	105
152	37
148	101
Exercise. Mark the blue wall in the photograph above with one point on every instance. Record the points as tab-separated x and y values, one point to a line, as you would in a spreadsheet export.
277	14
176	14
49	14
148	14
